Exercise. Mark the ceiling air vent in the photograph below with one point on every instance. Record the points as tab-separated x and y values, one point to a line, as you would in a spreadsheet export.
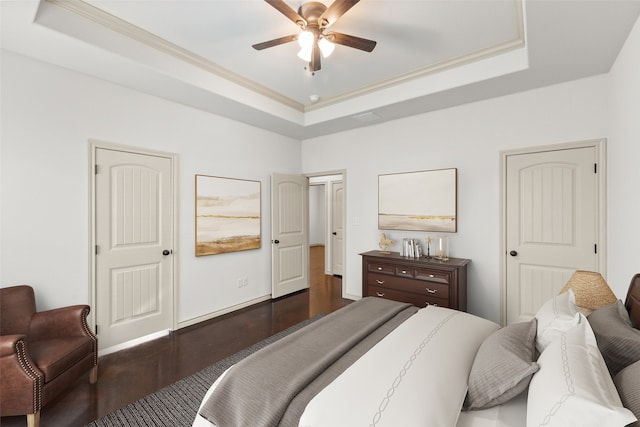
367	117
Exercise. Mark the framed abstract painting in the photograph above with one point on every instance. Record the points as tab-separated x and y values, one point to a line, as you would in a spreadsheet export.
418	201
227	215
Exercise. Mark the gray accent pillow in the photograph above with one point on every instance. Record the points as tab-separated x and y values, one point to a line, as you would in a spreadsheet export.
618	342
503	366
628	384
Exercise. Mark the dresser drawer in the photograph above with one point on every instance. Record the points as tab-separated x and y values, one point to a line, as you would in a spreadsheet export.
405	272
432	289
375	279
433	275
409	297
381	268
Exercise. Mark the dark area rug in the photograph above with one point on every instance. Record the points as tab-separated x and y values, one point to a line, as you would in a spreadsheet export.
177	404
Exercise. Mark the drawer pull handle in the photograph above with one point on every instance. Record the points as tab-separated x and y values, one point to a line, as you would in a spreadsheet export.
426	304
380	282
431	291
432	276
379	268
380	294
404	271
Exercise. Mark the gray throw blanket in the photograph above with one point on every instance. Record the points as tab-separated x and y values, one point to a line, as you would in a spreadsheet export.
260	389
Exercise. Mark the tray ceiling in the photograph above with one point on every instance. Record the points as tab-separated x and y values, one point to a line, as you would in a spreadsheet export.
430	54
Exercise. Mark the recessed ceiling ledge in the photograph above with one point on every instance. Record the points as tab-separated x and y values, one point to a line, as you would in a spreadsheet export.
514	61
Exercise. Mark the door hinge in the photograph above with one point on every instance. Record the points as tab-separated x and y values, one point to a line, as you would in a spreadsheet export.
595	168
595	248
96	329
97	250
95	169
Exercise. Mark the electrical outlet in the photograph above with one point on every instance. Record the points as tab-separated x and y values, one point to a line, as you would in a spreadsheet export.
243	281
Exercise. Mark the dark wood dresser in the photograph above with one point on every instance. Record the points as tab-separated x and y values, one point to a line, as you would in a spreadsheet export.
418	281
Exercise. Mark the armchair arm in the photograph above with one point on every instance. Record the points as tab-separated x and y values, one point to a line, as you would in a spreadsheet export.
8	344
21	381
60	322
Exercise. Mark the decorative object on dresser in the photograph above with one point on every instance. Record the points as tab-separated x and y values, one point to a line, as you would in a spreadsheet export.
418	281
385	243
411	248
428	240
442	248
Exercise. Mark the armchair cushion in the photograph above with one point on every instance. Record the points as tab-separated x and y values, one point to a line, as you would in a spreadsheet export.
55	356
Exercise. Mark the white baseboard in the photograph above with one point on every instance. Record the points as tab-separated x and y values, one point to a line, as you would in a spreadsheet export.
128	344
351	297
118	347
218	313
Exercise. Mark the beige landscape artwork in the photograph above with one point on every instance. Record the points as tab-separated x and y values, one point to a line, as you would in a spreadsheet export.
227	215
418	201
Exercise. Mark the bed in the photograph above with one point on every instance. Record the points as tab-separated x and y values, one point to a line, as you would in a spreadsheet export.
381	363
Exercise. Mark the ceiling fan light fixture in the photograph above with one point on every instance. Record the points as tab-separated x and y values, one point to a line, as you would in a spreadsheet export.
314	18
306	39
326	47
305	54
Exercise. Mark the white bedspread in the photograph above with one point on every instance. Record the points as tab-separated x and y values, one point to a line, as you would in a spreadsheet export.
416	376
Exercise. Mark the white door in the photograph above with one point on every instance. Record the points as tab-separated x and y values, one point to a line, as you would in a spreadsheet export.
289	234
337	225
551	224
133	235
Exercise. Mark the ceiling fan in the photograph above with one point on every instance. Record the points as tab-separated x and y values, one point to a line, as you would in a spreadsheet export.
314	18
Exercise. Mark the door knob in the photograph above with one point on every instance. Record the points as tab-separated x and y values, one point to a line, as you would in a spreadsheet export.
166	252
276	241
334	233
513	253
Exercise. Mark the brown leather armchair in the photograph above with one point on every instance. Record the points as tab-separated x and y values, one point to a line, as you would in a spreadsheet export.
41	353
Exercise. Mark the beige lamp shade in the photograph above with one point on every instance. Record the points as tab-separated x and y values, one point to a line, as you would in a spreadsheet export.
590	289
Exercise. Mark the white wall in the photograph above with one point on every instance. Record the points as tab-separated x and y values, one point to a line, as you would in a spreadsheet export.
624	169
317	214
470	138
48	117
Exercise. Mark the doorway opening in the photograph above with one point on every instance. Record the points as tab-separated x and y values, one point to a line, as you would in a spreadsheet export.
326	220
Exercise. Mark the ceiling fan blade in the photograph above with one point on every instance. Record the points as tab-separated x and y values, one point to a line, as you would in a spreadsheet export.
335	11
275	42
314	65
284	8
351	41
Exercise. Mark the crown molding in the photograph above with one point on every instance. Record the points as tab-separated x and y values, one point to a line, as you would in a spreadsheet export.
87	11
120	26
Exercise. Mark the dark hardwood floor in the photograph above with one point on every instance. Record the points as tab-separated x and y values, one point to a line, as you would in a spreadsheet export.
130	374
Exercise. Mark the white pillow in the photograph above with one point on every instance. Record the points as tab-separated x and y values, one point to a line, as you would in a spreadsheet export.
573	386
554	317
